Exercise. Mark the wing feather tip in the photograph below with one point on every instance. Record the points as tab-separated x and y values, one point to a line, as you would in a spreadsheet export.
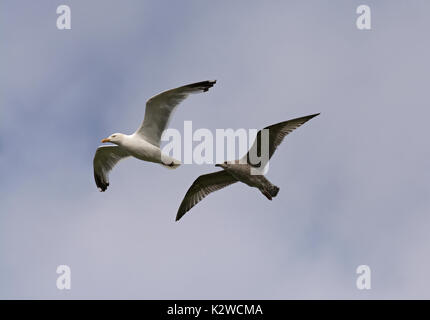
208	84
178	216
101	185
103	188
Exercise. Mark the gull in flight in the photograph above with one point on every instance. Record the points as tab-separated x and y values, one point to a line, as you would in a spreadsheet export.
240	170
144	144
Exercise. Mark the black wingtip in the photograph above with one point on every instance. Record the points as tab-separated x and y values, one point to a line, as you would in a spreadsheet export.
181	212
208	84
100	183
309	117
203	85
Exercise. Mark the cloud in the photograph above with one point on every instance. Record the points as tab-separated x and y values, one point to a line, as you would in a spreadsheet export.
354	181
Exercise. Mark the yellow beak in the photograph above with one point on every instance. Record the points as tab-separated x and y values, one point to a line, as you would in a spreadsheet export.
106	140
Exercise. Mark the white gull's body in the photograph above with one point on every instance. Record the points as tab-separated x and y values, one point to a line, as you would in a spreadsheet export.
141	149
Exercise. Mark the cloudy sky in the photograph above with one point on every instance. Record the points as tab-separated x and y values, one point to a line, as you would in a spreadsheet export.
354	182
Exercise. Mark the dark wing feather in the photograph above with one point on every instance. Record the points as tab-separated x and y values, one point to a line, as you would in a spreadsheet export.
277	133
202	186
105	159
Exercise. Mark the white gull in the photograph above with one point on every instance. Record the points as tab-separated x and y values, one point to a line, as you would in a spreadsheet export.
144	144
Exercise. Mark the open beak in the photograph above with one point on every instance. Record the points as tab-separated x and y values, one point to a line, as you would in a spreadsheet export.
106	140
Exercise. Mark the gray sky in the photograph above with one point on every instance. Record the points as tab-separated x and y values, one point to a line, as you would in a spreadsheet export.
354	181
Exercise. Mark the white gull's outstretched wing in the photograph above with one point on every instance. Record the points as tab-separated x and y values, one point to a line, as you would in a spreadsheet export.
160	107
105	159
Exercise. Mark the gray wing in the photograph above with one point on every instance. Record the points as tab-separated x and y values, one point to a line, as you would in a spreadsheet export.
277	133
202	186
105	159
160	107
